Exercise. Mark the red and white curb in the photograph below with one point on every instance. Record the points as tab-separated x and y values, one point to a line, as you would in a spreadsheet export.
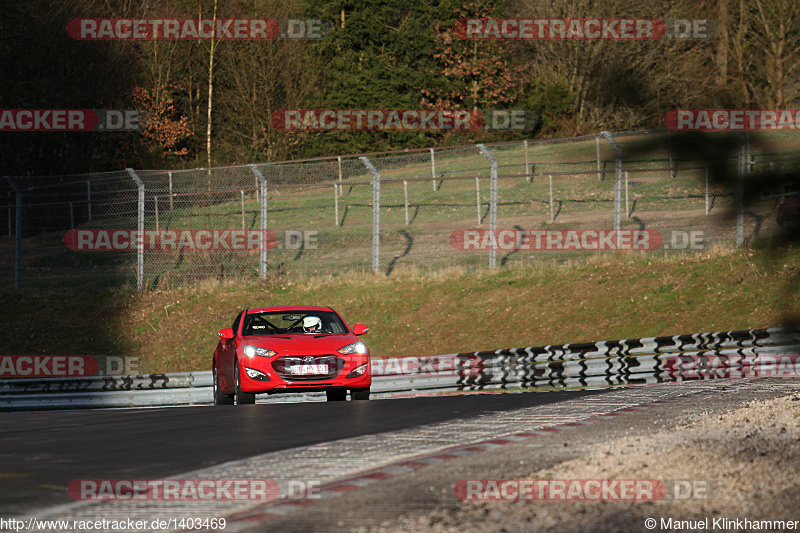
267	511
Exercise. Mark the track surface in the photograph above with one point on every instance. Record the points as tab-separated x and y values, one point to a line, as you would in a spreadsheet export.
41	452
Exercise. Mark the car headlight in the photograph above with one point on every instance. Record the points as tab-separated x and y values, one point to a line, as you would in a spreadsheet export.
258	351
356	347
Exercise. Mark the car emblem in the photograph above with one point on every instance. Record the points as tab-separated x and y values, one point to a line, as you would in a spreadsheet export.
308	359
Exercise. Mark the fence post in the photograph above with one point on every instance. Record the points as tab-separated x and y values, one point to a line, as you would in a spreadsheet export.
376	212
672	170
89	198
433	169
492	202
627	209
71	216
155	202
262	256
140	228
336	202
478	197
241	193
405	197
552	214
527	168
170	191
599	170
18	233
339	158
617	181
747	153
744	147
707	203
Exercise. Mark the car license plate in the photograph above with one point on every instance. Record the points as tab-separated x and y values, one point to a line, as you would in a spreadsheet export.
305	370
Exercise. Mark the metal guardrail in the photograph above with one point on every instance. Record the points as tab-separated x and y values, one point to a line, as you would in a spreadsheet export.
180	388
632	361
628	361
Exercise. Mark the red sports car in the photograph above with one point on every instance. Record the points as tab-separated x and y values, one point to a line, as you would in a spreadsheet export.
290	349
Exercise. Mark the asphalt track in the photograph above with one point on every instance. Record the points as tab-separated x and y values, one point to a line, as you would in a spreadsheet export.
41	452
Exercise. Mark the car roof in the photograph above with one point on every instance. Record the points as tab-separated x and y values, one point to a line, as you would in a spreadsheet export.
288	308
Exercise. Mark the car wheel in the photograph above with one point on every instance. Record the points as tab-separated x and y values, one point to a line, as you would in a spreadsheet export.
219	398
336	395
359	394
242	397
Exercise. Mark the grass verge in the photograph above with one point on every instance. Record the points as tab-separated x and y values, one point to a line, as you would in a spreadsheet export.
412	313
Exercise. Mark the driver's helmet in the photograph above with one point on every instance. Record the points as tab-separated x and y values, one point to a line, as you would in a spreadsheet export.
312	324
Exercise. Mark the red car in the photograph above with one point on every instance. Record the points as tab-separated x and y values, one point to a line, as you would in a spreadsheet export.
290	349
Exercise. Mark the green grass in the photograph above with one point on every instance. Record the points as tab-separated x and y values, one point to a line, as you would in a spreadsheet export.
425	312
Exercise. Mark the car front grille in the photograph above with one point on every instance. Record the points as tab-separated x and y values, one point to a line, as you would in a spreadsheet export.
282	364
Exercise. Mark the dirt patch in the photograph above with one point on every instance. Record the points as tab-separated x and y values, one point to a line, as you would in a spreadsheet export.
748	459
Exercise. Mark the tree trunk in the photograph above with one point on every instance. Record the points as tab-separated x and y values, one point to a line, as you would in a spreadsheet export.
210	91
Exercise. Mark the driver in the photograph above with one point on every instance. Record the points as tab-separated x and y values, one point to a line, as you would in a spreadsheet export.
312	324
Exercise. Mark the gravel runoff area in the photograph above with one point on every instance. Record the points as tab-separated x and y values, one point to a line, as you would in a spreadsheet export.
748	459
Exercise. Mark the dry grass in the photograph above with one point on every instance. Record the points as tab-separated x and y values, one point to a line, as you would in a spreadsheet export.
423	313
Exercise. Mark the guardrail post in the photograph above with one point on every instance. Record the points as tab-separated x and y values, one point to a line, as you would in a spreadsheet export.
262	255
492	202
140	229
18	234
617	182
376	212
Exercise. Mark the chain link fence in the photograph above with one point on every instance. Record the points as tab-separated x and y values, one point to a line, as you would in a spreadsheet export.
465	207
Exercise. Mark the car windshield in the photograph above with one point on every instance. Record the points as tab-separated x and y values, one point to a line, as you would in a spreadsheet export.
283	322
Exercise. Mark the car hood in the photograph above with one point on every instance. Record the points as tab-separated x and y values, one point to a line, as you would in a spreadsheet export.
302	344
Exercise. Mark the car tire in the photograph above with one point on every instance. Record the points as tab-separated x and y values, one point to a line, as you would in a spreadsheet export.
242	398
336	395
219	397
359	394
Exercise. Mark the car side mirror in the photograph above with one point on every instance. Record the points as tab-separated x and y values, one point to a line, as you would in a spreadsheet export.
360	329
226	334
